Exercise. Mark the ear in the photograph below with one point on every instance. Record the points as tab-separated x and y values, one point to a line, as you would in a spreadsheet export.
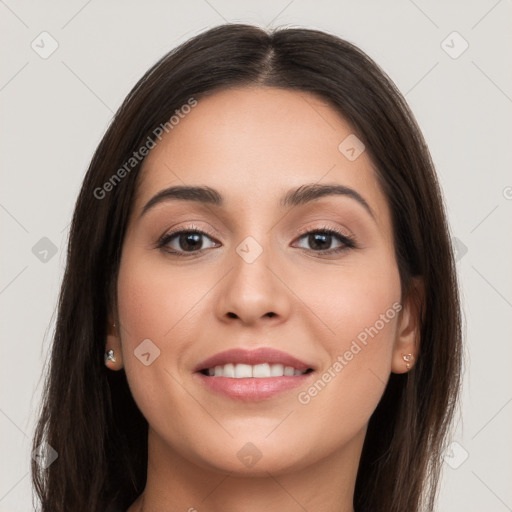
407	342
113	342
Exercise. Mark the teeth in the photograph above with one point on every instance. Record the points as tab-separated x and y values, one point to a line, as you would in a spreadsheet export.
260	371
241	371
257	371
276	370
228	370
289	371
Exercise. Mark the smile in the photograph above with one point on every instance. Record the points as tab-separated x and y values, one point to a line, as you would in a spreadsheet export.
252	375
257	371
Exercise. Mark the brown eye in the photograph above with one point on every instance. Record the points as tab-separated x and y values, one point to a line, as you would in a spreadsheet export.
322	240
185	241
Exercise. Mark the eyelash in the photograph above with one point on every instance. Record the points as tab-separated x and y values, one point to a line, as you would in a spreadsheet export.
347	241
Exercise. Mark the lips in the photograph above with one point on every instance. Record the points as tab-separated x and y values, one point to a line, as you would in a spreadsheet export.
253	358
252	375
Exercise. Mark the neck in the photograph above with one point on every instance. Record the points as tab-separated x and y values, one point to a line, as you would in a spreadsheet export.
174	483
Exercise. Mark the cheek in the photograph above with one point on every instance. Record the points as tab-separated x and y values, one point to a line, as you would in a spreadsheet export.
352	300
152	299
359	313
158	303
148	308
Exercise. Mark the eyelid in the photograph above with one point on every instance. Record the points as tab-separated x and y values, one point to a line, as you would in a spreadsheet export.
302	231
191	226
342	231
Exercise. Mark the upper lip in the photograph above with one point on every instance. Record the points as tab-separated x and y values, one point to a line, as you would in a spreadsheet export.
252	357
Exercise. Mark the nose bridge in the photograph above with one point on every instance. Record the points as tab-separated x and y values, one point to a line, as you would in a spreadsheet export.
251	290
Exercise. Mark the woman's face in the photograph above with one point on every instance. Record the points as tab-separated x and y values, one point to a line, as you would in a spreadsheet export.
254	281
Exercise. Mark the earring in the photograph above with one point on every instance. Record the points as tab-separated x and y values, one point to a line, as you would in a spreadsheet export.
109	356
408	358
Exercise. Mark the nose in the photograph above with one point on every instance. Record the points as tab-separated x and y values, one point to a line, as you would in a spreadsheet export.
253	292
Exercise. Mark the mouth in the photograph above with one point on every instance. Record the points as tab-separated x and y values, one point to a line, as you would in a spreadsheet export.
257	371
252	375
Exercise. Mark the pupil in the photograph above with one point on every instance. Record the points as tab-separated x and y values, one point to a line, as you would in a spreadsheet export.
186	239
315	238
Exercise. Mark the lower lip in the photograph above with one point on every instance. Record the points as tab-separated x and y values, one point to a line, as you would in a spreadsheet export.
253	389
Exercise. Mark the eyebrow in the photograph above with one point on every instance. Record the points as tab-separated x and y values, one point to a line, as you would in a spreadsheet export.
295	197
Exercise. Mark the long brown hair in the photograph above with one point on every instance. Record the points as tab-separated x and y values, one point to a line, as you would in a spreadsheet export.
88	414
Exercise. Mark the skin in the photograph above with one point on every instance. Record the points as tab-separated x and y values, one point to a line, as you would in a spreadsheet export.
252	144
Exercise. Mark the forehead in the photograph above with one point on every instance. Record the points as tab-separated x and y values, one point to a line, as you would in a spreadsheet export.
254	143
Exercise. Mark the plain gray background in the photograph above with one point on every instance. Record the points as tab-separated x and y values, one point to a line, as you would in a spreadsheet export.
55	110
